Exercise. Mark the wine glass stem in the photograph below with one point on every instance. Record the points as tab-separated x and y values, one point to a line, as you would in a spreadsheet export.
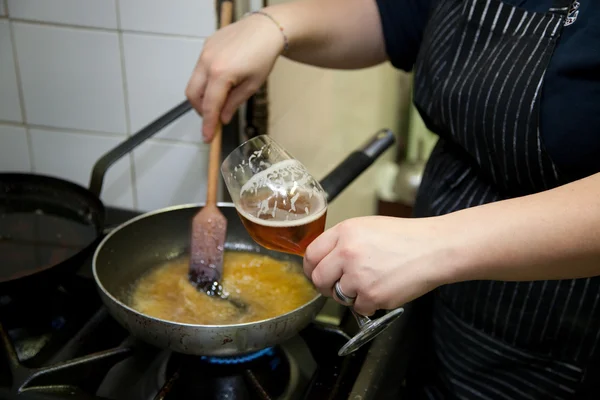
360	319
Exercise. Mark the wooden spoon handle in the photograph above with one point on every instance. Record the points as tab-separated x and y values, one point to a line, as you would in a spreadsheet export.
226	13
214	160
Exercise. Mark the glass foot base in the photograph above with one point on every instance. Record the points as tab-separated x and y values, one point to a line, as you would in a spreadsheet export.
369	331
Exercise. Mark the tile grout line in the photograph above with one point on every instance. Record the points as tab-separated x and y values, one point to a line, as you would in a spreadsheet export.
100	133
21	92
61	129
102	29
29	127
132	171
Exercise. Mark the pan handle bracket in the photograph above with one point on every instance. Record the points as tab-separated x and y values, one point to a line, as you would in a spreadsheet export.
357	162
108	159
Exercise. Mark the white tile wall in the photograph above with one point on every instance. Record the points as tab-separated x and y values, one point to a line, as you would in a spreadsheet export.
72	155
157	70
71	78
88	75
14	151
170	174
10	109
95	13
178	17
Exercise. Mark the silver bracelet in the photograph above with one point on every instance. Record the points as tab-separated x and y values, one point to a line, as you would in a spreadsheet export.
286	43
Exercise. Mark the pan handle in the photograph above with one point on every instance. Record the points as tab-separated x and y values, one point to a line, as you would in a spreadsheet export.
356	163
108	159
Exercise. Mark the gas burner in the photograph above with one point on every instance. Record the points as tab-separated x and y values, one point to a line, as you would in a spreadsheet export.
57	341
268	374
59	314
262	375
50	363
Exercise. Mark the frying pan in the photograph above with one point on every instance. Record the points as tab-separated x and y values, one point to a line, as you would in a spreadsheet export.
144	242
49	225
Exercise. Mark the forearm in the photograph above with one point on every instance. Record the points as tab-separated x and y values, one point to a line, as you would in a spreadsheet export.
545	236
343	34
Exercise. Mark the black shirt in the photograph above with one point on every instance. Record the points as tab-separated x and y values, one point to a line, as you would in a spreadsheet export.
570	104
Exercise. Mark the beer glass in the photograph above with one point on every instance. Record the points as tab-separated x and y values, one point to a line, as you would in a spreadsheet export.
284	208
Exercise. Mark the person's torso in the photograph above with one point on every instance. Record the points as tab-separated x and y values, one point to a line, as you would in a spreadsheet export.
569	98
515	97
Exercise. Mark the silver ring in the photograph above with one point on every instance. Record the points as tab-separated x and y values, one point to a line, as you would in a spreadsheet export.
347	300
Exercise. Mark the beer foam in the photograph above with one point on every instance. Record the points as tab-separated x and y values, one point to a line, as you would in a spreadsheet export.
283	184
284	224
284	173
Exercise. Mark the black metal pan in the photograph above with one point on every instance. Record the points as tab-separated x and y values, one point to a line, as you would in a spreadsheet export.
48	225
150	240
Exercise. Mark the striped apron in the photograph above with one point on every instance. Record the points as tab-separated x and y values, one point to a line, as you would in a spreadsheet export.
478	82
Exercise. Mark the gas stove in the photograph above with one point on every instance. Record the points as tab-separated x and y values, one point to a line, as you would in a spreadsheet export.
62	343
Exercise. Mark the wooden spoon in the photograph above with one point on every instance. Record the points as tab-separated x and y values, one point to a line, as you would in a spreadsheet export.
209	226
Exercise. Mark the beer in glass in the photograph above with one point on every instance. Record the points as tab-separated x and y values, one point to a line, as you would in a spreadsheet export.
284	209
281	205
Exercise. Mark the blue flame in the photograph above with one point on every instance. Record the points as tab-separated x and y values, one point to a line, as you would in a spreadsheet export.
238	360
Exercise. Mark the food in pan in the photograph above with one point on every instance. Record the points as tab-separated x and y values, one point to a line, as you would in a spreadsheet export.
267	286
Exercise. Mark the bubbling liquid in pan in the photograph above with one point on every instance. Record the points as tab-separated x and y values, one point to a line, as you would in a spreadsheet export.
269	288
